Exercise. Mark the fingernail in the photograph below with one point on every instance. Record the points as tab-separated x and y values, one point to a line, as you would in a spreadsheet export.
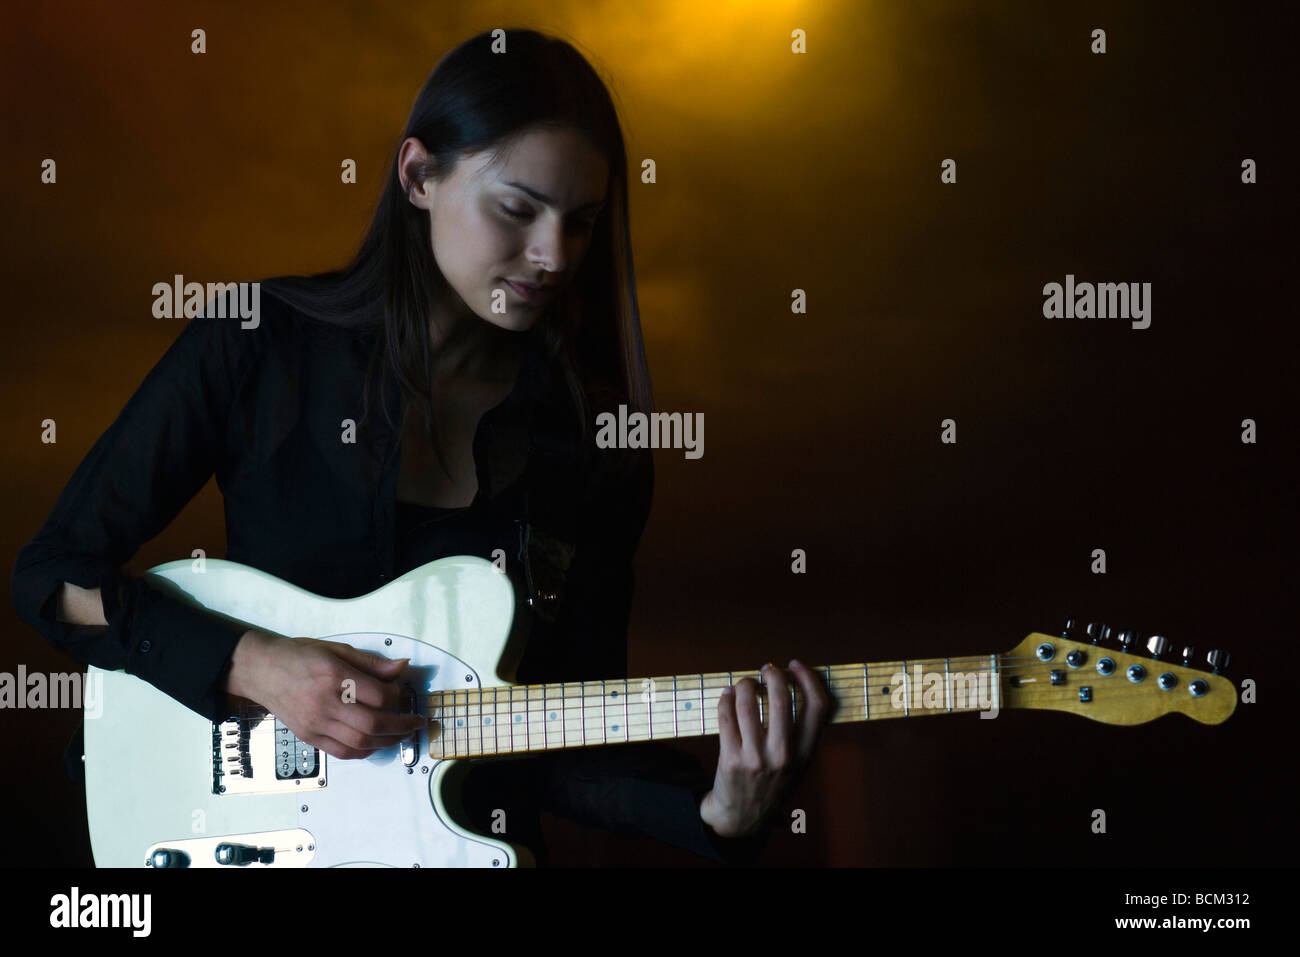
726	691
795	662
766	666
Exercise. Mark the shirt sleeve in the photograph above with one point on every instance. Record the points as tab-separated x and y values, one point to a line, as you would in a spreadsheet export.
646	788
163	447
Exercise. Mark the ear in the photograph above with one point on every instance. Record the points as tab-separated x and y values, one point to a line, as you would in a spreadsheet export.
411	155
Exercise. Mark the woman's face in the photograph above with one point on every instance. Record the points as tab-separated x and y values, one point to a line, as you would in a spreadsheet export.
527	219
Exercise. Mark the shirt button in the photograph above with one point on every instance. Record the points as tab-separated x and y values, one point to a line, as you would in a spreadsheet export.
146	645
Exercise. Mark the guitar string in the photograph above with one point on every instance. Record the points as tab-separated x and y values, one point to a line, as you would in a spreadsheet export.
689	689
569	703
573	707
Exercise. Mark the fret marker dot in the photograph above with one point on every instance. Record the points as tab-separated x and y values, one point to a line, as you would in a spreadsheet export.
552	715
487	720
459	722
688	706
615	727
518	718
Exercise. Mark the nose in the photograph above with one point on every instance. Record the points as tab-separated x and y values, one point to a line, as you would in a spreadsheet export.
550	249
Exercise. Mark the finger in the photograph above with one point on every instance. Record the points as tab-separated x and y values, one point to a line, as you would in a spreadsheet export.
381	695
377	724
751	730
377	666
816	707
778	715
349	736
335	748
728	727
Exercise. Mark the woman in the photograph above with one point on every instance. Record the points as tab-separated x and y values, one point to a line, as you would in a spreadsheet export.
435	397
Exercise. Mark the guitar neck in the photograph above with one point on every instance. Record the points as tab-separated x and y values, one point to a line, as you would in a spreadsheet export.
574	714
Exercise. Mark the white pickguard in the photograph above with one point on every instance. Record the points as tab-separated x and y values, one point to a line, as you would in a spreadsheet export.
149	773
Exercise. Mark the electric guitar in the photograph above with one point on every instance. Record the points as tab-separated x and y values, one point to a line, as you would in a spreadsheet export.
166	787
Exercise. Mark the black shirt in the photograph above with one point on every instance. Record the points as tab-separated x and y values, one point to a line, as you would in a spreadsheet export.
266	410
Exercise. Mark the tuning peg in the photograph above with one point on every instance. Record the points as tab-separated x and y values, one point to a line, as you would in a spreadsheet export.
1097	632
1218	661
1126	639
1069	627
1189	652
1157	645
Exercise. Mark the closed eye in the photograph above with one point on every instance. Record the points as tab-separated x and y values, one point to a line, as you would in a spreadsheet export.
513	214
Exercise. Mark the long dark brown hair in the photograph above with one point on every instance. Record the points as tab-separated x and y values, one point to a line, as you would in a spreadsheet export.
478	100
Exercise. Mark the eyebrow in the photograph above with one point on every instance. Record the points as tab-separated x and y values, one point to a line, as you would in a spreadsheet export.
543	198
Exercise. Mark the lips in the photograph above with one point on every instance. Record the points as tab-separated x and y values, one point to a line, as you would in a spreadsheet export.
529	291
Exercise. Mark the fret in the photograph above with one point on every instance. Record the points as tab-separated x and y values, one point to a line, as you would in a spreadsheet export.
456	723
947	686
997	683
760	698
435	713
866	694
510	718
793	715
674	706
604	719
625	729
701	703
582	709
547	720
906	696
530	719
650	706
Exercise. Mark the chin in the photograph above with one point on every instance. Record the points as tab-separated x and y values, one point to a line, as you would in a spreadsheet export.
517	320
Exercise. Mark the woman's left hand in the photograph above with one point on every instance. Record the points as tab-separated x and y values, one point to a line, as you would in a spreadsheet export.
758	767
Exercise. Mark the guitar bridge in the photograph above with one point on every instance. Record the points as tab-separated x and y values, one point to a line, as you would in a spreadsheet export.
254	752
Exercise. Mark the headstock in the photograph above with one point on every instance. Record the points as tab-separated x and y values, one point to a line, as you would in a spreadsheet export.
1102	677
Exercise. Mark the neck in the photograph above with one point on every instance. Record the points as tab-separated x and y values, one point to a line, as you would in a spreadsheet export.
467	347
572	714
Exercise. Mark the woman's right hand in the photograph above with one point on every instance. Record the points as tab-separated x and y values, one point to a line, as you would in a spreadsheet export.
331	695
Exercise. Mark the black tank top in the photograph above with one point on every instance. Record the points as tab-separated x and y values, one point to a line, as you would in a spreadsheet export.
425	533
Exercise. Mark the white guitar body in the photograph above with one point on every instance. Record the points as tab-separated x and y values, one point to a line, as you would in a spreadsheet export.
149	761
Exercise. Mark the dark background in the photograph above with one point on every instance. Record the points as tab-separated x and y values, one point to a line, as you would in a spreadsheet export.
777	172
